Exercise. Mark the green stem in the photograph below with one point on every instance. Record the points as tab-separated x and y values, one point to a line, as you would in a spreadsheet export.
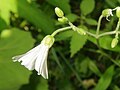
106	33
105	54
91	34
60	30
118	25
72	69
98	26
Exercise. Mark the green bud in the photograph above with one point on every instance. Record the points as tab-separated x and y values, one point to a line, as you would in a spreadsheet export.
63	19
59	12
81	31
118	12
114	42
48	40
107	12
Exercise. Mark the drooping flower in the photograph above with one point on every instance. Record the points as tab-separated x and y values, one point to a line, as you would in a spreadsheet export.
106	13
36	58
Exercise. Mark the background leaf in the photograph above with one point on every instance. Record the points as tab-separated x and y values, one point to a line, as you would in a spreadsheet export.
87	6
105	79
91	21
93	67
63	4
36	16
13	75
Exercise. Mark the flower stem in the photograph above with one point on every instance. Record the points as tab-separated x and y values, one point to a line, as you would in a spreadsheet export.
60	30
118	25
106	33
90	34
98	26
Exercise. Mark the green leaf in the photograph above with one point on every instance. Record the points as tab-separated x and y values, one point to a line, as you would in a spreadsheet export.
105	79
111	3
62	4
82	65
105	42
87	6
93	67
3	24
5	7
116	87
36	16
42	85
91	21
64	35
72	17
13	42
77	42
64	84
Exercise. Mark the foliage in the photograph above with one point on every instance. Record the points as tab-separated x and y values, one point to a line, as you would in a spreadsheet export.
75	61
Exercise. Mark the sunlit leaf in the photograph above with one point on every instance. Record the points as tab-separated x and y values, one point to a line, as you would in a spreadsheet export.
5	7
13	42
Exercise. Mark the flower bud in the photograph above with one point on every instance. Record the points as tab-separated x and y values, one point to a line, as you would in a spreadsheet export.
48	40
59	12
114	42
107	13
118	12
81	31
63	20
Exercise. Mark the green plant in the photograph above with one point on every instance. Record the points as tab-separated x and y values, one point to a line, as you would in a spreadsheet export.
90	61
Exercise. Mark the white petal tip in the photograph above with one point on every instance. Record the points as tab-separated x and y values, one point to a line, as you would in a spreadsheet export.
42	76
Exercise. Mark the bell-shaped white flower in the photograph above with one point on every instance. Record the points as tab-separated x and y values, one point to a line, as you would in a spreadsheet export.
36	58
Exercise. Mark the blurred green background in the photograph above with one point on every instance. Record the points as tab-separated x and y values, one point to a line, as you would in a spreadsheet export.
73	61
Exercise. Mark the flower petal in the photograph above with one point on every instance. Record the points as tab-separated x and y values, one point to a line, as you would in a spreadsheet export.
28	59
44	70
41	60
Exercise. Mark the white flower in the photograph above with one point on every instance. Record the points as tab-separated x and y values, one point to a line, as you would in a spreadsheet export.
36	58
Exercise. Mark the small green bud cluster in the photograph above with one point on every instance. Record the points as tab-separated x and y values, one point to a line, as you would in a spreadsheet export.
63	19
60	14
